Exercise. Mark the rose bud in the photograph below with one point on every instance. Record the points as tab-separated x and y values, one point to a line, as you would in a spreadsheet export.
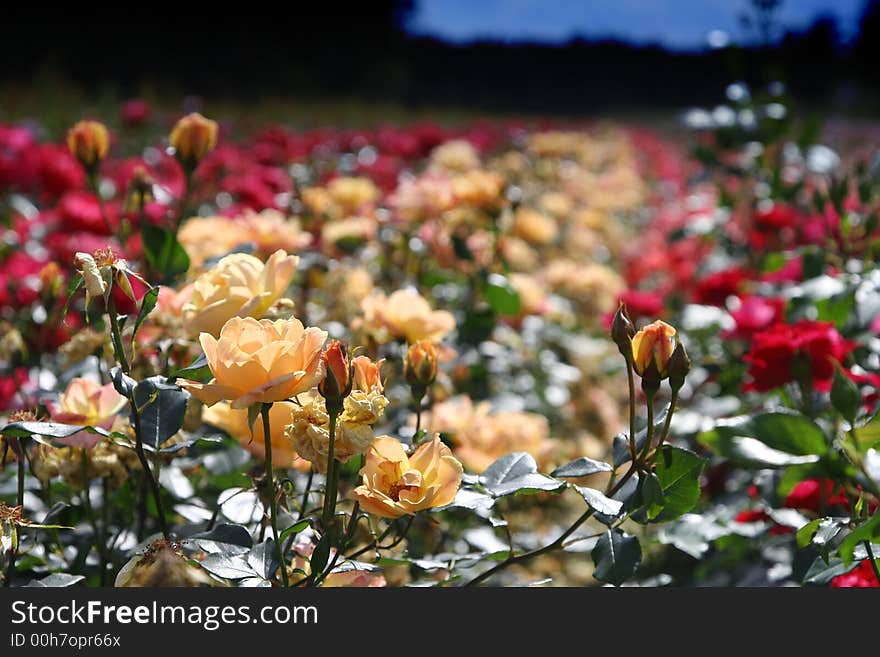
420	364
337	382
88	142
679	366
652	348
192	138
622	331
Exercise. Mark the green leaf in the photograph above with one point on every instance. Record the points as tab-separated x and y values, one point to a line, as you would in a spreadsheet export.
56	580
820	532
163	252
581	468
229	534
64	435
837	308
822	571
787	432
321	555
652	495
616	556
295	528
845	396
867	531
73	285
756	453
599	502
197	370
147	304
516	473
501	296
678	472
162	409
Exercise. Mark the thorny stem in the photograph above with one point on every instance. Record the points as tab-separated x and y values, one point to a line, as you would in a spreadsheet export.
673	400
349	533
135	413
273	502
377	544
630	378
13	551
872	560
306	493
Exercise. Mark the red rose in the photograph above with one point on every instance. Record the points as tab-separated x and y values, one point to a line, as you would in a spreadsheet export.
135	112
714	289
862	576
643	304
756	314
815	495
772	356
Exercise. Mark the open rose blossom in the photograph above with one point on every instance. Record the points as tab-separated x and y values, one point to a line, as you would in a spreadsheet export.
259	362
395	484
87	403
240	285
775	350
235	423
405	314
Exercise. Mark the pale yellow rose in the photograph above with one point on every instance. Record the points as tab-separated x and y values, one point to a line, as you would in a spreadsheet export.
532	293
88	403
234	421
395	484
352	194
405	314
478	188
455	155
259	362
271	230
534	227
204	238
347	234
240	285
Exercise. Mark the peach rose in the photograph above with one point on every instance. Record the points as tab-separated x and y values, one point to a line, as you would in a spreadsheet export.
235	422
237	286
395	484
481	436
405	314
352	194
367	375
85	402
653	345
259	362
204	238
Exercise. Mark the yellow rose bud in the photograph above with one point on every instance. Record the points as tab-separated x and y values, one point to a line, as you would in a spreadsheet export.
192	138
420	364
240	285
88	142
652	348
395	484
259	362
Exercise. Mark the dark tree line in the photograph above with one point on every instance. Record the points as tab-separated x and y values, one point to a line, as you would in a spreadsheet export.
361	50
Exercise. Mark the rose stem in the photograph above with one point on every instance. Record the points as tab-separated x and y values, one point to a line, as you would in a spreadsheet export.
273	503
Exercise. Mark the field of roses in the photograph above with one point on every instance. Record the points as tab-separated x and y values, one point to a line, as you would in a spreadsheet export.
504	353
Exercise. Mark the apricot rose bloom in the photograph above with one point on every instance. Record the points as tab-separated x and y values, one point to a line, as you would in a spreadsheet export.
235	423
395	484
259	362
405	314
653	345
88	403
240	285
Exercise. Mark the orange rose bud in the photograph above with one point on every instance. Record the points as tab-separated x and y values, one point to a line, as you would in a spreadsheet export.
88	142
337	382
622	331
652	348
192	138
420	364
